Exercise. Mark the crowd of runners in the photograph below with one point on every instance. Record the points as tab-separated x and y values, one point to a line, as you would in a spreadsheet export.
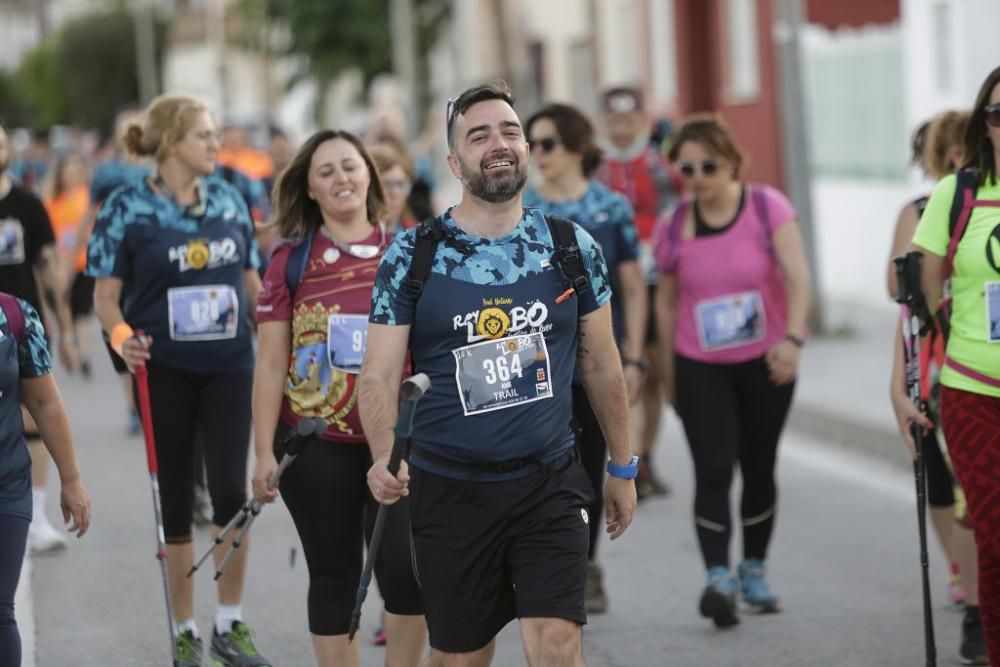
588	276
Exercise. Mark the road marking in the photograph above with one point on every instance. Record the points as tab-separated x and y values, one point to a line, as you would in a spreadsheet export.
878	476
24	613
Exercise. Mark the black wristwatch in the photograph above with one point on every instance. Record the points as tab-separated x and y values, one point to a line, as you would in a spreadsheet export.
638	363
798	342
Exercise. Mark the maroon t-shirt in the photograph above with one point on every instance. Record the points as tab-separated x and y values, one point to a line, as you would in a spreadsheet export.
333	299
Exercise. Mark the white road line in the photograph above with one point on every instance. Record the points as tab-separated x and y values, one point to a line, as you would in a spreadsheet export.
24	613
853	468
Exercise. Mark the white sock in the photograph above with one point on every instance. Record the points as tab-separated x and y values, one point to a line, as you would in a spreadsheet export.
37	503
189	624
225	615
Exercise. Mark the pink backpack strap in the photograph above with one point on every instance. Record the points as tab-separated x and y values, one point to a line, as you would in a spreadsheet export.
675	229
15	316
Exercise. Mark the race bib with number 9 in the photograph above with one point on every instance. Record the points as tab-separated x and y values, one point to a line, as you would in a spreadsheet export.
499	374
202	312
346	341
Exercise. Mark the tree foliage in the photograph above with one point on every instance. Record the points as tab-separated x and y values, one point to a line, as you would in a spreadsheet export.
39	86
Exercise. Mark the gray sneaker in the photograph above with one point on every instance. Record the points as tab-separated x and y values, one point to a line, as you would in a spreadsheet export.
235	648
188	649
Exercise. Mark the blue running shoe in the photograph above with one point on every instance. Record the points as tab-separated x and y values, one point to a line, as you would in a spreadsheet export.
756	591
718	601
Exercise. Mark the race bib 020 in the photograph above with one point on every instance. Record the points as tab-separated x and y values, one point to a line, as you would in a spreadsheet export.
993	312
731	321
499	374
202	312
346	341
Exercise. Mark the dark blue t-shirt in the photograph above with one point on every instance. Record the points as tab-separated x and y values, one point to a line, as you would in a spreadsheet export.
28	358
608	217
183	272
113	174
500	352
253	192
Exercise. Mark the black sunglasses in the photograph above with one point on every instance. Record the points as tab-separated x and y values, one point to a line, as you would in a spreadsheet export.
993	115
689	169
547	144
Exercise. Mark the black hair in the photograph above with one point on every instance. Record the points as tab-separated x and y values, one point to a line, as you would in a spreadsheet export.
575	132
498	90
978	146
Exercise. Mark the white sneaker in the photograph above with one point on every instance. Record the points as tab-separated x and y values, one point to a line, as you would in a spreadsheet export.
43	537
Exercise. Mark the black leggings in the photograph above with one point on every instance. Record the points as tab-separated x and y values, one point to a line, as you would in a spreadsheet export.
13	537
940	481
327	495
218	407
594	457
732	413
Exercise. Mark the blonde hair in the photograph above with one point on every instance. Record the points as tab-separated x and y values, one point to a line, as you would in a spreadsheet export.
945	133
165	121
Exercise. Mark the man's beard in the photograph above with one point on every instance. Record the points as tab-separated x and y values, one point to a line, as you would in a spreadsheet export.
498	190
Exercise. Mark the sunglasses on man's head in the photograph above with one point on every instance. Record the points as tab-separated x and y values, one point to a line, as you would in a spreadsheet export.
993	115
449	110
689	169
547	144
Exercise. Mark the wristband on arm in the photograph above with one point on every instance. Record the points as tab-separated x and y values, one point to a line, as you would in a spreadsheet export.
119	334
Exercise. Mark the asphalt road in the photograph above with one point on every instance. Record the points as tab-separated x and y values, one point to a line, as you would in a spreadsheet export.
844	560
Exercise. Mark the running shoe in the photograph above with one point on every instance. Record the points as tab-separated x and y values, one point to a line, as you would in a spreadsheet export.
202	510
380	637
973	648
595	599
755	589
718	601
235	648
188	649
43	537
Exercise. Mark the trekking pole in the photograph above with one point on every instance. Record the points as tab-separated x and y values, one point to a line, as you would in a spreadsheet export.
244	519
913	308
142	384
413	389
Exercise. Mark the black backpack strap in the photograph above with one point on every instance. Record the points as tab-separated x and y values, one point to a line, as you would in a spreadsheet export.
567	256
920	203
428	235
966	179
296	266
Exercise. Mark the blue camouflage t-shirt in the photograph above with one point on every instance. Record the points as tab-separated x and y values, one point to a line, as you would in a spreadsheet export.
27	358
252	191
608	217
499	349
113	174
183	272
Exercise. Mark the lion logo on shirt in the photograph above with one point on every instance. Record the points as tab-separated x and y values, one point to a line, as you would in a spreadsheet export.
493	323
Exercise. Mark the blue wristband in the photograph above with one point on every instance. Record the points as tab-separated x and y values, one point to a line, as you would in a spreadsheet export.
630	471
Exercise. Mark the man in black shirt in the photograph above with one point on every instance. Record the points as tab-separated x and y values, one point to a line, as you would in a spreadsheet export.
29	260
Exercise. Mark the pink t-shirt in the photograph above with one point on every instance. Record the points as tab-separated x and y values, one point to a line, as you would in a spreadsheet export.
731	301
332	299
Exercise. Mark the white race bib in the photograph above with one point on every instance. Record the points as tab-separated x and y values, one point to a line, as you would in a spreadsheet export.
202	312
498	374
731	321
346	341
993	312
11	242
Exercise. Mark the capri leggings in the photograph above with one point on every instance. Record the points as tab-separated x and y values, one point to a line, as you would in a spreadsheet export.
218	406
732	414
14	530
940	482
326	492
594	457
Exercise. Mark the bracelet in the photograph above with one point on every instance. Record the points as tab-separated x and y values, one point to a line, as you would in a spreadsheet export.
119	334
638	363
798	342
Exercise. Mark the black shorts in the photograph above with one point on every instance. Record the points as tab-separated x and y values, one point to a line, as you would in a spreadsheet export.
489	552
81	296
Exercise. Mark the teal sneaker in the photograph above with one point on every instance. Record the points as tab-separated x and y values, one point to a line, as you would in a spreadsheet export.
188	649
235	648
756	591
718	601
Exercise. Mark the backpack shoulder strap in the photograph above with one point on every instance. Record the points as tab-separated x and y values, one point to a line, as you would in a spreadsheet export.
567	256
15	316
675	228
763	214
298	257
428	235
966	184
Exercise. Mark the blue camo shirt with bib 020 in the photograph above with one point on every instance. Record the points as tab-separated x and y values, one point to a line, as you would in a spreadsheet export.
608	217
28	358
500	352
183	273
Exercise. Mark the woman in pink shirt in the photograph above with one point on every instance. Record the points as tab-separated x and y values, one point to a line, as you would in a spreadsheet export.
731	306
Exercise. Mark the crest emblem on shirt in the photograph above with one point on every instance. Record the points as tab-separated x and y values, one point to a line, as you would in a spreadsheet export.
493	323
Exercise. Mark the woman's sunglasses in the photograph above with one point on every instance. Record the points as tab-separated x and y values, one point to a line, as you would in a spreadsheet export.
689	169
548	144
993	115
